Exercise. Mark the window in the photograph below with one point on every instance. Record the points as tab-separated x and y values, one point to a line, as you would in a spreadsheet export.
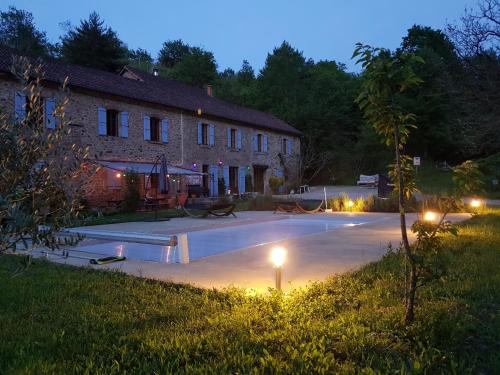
112	123
233	178
233	138
260	142
154	126
204	134
284	146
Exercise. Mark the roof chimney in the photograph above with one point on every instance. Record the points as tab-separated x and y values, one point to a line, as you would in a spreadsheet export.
155	72
210	90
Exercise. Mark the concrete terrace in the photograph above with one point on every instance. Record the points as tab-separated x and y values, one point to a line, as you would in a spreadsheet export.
312	257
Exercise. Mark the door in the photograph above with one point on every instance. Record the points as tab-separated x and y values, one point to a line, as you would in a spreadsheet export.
258	176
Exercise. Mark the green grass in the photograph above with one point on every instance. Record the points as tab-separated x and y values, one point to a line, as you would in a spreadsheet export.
433	181
63	320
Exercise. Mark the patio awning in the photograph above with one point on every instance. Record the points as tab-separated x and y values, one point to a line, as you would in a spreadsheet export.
146	168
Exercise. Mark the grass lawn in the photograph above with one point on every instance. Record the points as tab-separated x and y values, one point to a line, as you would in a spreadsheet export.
64	320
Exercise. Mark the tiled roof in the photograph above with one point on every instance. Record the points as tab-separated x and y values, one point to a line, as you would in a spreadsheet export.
151	89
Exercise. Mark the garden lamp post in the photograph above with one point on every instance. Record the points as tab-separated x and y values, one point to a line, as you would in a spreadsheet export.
278	256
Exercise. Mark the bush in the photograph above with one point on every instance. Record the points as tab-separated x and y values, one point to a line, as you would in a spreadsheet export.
131	196
275	183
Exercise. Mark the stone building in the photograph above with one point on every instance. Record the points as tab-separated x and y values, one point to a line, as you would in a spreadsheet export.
129	120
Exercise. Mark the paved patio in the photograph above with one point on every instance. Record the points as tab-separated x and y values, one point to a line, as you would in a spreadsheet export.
312	257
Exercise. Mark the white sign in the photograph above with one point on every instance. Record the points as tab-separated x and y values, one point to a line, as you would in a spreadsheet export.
416	160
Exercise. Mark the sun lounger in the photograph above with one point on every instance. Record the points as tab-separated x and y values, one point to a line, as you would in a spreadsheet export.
368	181
203	210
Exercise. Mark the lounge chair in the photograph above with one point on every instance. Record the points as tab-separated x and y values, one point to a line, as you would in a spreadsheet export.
368	181
204	210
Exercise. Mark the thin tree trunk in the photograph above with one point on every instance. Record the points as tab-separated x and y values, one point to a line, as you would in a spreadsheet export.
412	282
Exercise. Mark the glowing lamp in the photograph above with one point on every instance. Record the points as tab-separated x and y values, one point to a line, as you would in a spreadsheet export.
199	111
430	216
118	175
195	165
350	203
476	203
220	162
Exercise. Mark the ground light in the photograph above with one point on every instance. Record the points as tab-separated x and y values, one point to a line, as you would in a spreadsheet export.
476	203
278	256
430	216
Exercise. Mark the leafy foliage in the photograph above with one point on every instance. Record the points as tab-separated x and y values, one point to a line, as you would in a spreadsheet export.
40	170
468	178
94	45
18	31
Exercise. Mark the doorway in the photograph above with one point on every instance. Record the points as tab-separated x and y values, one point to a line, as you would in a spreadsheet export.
258	177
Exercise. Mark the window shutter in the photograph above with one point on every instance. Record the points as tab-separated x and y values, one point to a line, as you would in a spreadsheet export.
228	137
226	177
214	183
266	143
212	135
124	124
101	115
290	147
256	142
50	107
241	180
164	130
200	133
147	128
239	139
20	106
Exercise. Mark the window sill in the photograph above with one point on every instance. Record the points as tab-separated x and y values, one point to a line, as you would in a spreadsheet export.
157	142
205	146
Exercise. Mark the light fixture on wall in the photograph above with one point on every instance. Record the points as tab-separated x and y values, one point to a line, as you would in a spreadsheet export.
199	111
194	166
118	175
220	162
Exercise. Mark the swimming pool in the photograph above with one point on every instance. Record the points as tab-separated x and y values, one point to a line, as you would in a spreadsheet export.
215	241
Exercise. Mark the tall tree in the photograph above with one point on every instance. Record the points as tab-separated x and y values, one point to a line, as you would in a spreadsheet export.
140	55
434	101
18	31
172	52
94	45
281	81
197	68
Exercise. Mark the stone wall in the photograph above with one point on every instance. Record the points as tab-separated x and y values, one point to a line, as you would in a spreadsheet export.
182	148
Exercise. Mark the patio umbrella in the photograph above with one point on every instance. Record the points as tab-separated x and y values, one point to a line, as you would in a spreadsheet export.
163	175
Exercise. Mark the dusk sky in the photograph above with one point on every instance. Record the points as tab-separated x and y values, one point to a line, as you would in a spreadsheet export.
237	30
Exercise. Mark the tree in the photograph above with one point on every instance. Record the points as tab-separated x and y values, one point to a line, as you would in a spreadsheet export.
40	170
173	52
479	30
386	78
433	101
18	31
140	56
94	45
197	68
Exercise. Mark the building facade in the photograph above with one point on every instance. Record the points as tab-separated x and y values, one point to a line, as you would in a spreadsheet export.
129	120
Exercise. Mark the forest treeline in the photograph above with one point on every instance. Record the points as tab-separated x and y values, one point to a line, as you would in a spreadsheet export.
457	105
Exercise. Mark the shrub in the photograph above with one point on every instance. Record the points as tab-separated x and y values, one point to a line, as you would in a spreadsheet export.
275	183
